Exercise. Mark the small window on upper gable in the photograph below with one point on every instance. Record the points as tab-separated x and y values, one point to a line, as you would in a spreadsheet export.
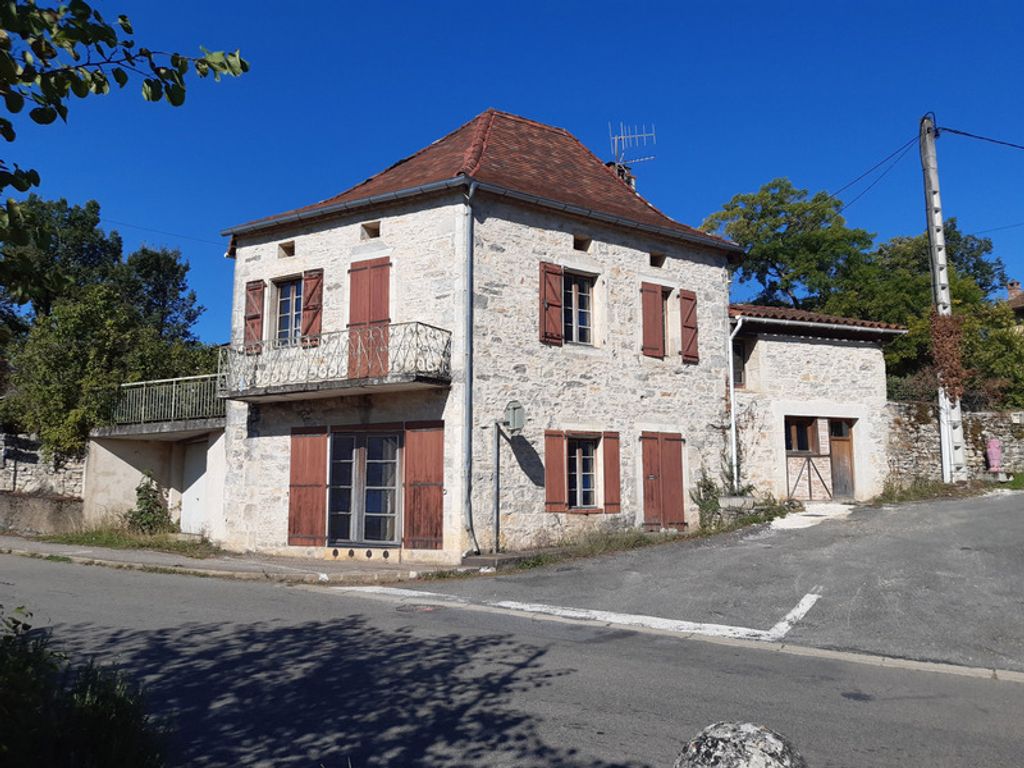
369	230
580	243
658	260
284	250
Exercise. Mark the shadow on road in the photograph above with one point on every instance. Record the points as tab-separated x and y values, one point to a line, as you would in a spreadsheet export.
326	693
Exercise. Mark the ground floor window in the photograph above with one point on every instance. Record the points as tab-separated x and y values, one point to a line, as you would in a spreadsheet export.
362	502
582	477
801	435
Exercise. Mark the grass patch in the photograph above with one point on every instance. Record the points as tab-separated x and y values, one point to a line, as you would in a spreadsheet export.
57	559
921	489
1017	484
594	543
118	538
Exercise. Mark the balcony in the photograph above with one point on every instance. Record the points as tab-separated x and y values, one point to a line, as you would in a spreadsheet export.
166	409
374	358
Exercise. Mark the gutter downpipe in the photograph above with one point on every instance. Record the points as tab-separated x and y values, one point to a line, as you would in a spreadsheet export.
467	385
732	407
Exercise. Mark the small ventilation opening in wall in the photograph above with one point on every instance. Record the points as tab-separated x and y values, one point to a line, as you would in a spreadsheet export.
370	230
284	250
658	260
581	243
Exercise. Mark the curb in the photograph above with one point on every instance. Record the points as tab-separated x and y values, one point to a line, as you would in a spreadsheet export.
184	570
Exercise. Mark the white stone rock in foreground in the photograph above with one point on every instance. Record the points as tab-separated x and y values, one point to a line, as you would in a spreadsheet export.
739	745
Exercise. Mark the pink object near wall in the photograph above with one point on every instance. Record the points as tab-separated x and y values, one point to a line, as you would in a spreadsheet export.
994	453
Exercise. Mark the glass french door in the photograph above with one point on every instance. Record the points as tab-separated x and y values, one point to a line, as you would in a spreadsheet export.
362	500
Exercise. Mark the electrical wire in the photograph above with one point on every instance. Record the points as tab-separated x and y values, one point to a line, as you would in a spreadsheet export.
943	129
159	231
877	165
906	148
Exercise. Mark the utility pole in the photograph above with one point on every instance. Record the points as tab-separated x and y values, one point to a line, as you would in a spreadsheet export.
951	430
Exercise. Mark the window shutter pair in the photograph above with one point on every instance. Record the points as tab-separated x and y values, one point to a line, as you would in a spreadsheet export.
556	494
652	306
312	309
550	296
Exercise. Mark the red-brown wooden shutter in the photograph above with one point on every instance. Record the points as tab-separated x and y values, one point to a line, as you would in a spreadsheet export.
312	306
688	312
651	457
555	493
424	488
672	514
612	479
307	492
254	315
550	296
369	318
653	317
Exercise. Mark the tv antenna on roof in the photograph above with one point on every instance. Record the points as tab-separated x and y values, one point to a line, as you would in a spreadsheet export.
628	138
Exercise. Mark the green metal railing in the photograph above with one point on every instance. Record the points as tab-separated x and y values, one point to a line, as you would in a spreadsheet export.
189	397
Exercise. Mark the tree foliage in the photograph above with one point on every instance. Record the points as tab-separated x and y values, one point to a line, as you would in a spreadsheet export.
50	54
797	245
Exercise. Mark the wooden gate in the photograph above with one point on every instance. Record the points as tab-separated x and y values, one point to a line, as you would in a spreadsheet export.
662	457
841	449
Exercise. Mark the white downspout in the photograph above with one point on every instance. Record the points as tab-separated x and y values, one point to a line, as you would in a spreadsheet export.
467	385
732	407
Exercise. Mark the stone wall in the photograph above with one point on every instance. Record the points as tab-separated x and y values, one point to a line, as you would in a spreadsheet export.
23	469
36	514
914	441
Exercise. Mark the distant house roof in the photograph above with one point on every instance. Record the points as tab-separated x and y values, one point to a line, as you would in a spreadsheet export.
513	156
1017	303
789	320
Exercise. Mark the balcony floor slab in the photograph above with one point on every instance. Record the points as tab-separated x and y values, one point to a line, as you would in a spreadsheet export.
336	388
160	430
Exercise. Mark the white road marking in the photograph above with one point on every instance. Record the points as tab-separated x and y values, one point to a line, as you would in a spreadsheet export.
631	620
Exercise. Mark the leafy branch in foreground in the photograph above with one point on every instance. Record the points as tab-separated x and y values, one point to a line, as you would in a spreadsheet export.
49	54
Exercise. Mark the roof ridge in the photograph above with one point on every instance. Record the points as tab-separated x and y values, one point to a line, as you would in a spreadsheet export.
475	151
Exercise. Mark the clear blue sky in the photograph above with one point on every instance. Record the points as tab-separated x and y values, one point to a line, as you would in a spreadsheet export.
740	93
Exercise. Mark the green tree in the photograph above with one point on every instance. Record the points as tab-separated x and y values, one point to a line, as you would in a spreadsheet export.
49	54
797	245
157	282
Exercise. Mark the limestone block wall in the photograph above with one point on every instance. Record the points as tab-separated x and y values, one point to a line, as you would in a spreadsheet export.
608	386
822	378
914	441
23	469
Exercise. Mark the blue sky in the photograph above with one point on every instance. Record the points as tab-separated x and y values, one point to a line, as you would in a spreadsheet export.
740	93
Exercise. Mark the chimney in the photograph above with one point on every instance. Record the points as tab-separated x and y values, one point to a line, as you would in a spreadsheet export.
624	172
1013	289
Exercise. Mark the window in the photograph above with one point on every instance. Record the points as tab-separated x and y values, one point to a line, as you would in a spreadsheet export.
369	230
577	308
739	363
658	260
580	243
801	435
285	250
840	429
289	312
362	502
581	477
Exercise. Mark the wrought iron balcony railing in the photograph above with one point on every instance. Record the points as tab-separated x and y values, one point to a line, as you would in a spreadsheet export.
189	397
365	356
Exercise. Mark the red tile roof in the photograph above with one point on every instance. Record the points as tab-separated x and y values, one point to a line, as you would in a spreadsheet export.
803	316
518	155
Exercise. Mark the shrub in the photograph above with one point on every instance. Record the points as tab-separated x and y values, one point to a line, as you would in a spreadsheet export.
150	514
57	715
705	495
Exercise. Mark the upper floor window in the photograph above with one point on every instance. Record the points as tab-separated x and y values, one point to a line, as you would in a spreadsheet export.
577	308
289	311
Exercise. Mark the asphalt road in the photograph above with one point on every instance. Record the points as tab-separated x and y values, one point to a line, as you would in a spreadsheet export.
259	674
938	581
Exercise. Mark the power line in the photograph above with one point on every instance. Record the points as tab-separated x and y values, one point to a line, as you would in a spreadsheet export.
998	229
906	148
881	162
159	231
943	129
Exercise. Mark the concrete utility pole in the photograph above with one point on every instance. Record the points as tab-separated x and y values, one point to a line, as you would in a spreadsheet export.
951	430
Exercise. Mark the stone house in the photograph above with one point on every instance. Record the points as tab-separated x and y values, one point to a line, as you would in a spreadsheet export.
379	337
810	399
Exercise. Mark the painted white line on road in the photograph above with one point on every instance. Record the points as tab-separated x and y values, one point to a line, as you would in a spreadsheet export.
632	620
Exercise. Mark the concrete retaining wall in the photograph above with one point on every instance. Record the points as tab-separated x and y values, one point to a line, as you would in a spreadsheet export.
28	513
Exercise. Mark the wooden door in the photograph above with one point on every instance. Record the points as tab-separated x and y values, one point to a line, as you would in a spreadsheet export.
662	458
423	527
307	496
841	449
369	318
